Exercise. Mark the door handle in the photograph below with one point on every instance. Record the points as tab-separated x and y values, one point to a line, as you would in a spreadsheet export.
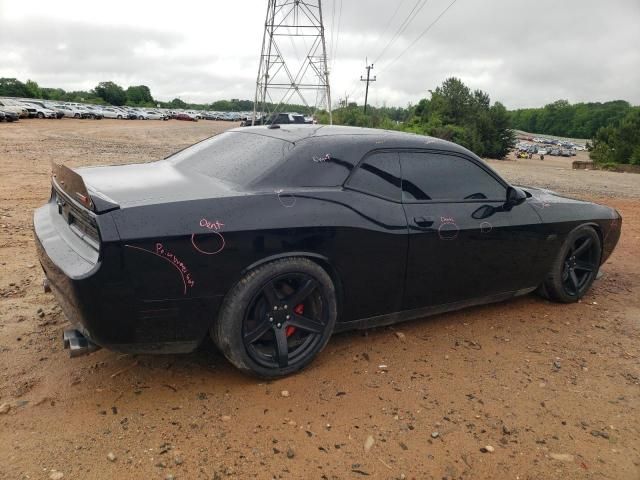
423	222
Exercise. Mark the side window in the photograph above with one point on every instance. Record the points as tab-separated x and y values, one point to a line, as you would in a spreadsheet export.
378	174
432	176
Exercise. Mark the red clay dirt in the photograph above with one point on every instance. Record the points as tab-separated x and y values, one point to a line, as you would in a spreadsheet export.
554	390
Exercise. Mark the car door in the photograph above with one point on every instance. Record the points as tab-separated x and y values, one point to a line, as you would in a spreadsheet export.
374	264
463	243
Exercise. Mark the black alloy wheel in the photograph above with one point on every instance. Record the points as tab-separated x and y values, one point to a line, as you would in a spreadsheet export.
580	266
575	267
285	321
277	318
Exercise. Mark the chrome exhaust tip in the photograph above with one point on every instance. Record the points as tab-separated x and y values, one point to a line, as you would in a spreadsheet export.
77	343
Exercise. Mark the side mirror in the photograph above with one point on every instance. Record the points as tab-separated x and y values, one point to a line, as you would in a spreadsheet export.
515	196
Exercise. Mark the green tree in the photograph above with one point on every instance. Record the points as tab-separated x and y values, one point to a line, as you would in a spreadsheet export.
12	87
619	143
139	95
457	114
111	93
177	103
33	89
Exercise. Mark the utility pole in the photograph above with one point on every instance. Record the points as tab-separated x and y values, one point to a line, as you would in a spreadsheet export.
368	80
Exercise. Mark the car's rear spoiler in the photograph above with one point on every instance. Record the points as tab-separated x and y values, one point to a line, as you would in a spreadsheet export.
72	184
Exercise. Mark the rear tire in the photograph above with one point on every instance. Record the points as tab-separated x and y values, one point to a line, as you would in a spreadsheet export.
575	268
277	318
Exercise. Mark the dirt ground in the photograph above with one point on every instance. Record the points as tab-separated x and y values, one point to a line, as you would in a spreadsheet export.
554	390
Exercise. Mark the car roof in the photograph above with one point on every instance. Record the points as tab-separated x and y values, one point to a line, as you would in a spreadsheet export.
373	137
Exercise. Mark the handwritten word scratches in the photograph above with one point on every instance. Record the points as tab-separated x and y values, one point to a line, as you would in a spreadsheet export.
175	262
160	250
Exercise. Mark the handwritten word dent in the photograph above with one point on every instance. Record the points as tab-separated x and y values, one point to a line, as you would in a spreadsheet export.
217	225
447	220
184	270
326	158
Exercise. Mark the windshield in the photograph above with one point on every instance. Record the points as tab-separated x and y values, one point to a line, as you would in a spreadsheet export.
233	157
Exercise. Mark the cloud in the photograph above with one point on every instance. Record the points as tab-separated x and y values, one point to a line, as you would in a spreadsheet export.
521	53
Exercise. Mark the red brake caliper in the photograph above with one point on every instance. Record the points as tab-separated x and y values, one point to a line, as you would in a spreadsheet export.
299	310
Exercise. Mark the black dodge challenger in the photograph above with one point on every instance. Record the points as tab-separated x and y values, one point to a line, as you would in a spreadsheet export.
272	238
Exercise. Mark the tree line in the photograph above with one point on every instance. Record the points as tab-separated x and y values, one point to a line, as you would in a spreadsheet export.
561	118
110	93
452	112
613	128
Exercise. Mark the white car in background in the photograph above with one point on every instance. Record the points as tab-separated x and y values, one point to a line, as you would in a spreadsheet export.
38	111
152	115
109	112
69	111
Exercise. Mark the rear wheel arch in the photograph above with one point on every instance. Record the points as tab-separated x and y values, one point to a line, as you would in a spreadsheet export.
321	260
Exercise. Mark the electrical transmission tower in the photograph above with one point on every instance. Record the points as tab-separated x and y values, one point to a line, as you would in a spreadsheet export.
284	76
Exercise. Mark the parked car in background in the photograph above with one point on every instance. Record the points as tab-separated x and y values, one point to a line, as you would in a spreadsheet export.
37	111
277	119
10	105
9	116
153	115
95	112
185	116
109	112
564	152
69	111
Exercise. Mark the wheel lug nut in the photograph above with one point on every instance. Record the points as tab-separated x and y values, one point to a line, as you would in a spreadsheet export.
285	307
288	317
271	319
278	325
275	307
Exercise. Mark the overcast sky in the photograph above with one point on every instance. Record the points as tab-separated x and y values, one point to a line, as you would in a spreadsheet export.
522	52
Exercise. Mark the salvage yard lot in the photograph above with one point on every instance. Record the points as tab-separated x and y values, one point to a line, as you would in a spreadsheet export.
554	389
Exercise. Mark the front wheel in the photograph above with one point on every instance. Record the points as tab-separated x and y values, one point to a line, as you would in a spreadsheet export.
575	268
276	319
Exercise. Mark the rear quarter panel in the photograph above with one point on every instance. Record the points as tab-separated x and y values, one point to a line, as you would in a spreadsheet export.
200	249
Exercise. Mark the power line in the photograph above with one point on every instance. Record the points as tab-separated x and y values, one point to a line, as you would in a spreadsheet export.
424	32
335	46
333	21
392	18
403	26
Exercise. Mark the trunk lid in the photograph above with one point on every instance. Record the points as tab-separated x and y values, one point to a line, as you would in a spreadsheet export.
146	183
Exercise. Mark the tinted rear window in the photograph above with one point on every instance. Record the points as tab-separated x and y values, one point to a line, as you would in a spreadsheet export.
233	157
